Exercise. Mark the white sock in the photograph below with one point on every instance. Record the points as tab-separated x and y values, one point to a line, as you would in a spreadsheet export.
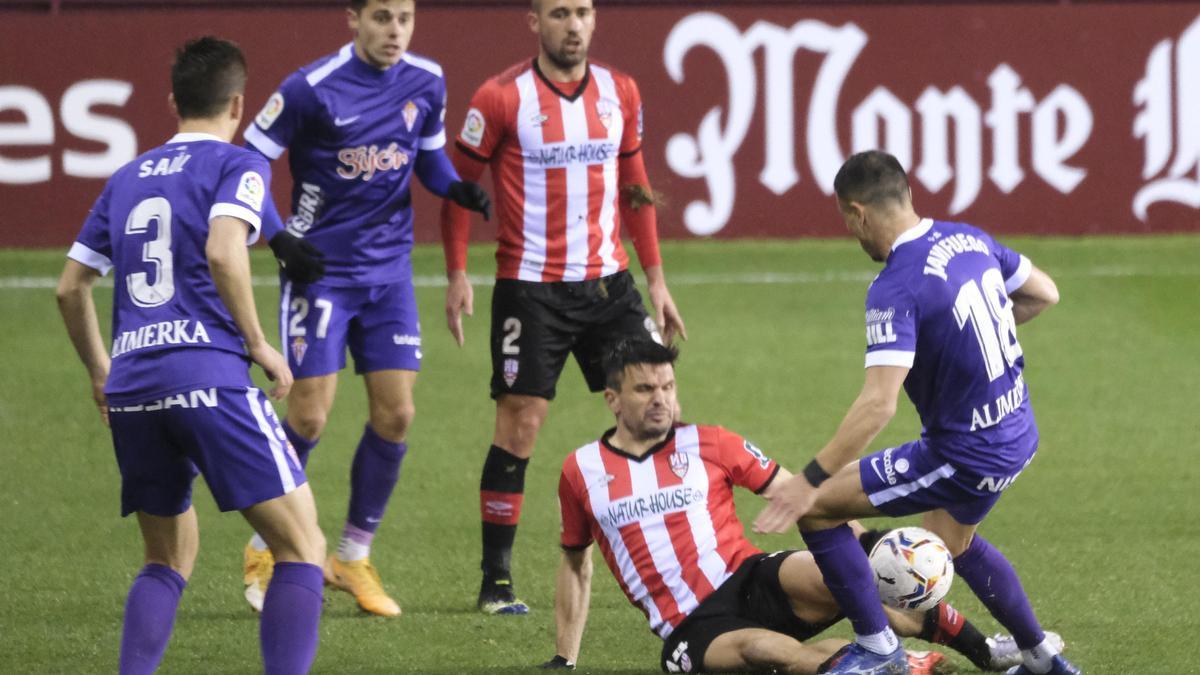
1040	658
257	543
350	550
884	642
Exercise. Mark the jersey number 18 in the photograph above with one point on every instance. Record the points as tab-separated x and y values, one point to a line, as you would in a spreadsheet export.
990	313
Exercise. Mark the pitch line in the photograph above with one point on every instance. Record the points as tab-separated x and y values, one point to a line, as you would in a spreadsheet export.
705	279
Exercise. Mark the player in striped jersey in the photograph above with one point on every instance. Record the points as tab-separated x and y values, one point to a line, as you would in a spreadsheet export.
358	125
657	497
563	138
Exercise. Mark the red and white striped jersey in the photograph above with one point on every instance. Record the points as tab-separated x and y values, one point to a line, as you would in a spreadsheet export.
665	522
554	150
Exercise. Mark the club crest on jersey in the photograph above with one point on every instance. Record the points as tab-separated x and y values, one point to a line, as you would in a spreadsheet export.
410	115
473	127
604	110
270	112
299	347
511	366
365	161
679	464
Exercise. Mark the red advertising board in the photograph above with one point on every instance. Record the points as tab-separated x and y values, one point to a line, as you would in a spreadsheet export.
1064	119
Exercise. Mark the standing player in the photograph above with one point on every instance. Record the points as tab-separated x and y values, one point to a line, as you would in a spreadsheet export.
657	496
174	224
942	321
563	138
357	125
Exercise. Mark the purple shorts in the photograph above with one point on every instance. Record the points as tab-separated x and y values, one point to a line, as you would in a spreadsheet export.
914	478
378	323
229	434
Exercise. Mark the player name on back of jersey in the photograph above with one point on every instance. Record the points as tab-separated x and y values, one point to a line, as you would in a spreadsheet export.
554	155
164	166
631	509
942	252
160	333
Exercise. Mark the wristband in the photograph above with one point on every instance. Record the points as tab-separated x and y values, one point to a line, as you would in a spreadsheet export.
814	474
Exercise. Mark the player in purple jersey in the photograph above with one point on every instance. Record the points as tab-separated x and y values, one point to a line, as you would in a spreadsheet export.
174	225
941	320
357	125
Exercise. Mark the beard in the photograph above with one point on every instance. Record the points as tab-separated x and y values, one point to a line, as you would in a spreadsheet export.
564	60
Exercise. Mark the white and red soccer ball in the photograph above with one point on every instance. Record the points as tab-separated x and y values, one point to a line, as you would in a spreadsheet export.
913	568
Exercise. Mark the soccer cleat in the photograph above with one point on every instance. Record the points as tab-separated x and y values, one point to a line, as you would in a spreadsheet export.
1006	654
929	663
496	597
857	660
257	568
1059	666
360	579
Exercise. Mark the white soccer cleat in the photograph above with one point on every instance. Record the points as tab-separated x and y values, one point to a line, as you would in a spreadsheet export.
1006	654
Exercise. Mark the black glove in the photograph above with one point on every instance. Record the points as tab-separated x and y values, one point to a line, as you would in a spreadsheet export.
299	260
558	663
470	196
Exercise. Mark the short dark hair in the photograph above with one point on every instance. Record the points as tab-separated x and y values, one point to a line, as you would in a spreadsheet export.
634	352
873	178
208	72
357	5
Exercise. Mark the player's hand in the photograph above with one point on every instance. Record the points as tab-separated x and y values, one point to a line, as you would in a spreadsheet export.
275	366
101	401
558	663
793	499
665	314
471	197
460	299
300	261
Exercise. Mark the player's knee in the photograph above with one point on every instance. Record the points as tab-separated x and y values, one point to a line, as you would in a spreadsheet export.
307	422
392	422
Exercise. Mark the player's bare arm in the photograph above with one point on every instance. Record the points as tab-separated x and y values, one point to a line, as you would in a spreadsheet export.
1037	294
572	596
229	263
868	415
456	232
78	311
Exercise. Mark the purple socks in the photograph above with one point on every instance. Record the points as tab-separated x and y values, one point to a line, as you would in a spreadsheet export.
290	617
302	445
373	474
995	582
149	618
849	577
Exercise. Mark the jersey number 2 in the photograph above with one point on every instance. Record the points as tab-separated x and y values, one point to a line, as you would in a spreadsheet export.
156	252
990	313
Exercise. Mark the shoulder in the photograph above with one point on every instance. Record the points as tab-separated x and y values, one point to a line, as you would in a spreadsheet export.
320	70
624	83
425	64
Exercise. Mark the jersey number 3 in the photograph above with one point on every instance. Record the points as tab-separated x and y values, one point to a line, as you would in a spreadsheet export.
156	252
990	313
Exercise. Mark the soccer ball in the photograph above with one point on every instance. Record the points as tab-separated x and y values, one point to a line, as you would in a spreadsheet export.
913	568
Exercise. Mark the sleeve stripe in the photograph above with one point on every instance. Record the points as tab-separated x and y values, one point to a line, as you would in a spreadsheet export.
471	153
262	142
240	212
890	357
434	142
86	256
1018	278
770	479
631	153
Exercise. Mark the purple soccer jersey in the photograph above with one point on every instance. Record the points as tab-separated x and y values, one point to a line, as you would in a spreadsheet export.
171	332
941	307
353	134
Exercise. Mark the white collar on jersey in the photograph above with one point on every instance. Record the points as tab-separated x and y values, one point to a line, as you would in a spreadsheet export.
193	137
915	232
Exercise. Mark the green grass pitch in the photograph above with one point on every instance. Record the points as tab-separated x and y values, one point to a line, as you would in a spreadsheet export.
1102	527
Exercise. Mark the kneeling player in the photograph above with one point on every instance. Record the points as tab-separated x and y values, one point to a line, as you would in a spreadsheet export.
174	224
658	498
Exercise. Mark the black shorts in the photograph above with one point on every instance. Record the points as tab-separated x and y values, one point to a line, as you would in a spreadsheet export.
751	598
535	324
